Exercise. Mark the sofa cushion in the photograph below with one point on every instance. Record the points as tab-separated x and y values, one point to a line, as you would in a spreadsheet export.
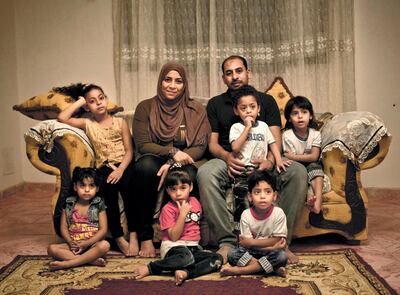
48	105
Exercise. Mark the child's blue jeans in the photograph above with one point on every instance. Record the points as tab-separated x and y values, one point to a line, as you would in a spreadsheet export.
192	259
269	260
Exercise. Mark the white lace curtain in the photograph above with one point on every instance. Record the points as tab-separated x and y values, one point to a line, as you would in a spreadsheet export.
309	43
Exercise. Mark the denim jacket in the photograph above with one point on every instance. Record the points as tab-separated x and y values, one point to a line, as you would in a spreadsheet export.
96	206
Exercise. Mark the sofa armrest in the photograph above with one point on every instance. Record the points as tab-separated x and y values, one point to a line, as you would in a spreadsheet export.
56	149
351	142
356	134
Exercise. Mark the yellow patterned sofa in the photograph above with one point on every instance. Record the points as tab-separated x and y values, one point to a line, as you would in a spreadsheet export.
56	148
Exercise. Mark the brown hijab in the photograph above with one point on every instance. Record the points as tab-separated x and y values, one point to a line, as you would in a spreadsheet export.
167	115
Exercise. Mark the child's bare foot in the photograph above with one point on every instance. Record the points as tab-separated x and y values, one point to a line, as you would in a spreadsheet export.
314	204
140	271
98	262
292	259
147	249
228	270
133	244
180	277
281	271
316	208
123	245
311	200
56	265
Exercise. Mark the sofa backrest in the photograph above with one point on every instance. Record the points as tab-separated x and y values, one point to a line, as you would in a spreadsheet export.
281	93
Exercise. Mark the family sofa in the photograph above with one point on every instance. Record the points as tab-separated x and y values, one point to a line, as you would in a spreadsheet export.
352	142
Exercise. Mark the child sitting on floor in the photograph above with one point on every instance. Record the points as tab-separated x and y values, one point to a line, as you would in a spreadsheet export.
180	251
263	232
83	225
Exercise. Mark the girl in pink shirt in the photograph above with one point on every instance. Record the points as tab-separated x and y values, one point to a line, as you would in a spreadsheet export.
180	251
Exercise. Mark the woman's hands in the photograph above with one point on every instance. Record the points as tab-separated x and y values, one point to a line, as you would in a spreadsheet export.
162	172
115	176
179	157
182	158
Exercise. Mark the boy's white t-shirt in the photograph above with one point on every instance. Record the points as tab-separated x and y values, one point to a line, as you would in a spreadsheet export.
256	145
273	225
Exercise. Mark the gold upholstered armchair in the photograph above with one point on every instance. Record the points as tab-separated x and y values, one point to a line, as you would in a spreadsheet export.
351	142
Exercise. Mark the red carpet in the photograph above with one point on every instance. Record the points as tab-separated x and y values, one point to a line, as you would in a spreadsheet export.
231	286
339	271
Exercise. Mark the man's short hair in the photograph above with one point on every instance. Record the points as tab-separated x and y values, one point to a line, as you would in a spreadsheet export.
244	61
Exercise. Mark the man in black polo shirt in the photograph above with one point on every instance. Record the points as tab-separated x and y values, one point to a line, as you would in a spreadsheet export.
214	176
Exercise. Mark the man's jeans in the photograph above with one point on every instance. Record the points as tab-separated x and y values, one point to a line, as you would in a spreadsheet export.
213	181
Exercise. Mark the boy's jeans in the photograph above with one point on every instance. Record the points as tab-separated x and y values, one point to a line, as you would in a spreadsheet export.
192	259
269	260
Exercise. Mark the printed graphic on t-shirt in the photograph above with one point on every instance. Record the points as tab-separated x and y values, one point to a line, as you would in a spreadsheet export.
82	231
258	153
193	216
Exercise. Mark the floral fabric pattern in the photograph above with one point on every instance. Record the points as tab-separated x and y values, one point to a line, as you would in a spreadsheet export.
354	133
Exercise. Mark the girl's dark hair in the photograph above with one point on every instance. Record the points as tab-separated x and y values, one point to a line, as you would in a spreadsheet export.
302	103
176	176
89	87
79	174
245	90
257	176
77	89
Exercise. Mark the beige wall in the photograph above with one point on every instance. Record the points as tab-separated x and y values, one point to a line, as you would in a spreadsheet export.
61	42
377	64
57	42
10	131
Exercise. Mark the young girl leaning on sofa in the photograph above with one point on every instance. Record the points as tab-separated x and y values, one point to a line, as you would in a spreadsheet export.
112	142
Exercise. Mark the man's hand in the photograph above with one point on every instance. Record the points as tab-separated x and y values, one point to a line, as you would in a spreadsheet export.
281	165
263	164
235	165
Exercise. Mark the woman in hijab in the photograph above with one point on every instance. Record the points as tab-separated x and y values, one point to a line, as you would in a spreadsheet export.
169	129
